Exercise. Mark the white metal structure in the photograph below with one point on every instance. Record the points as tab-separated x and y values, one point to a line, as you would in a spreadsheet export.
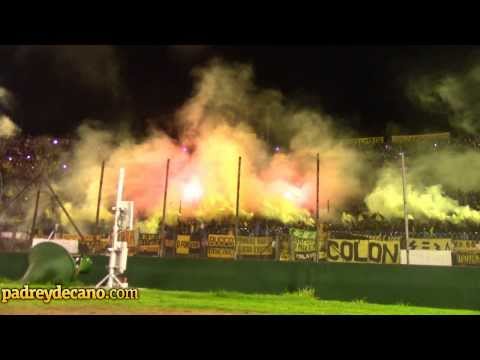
119	251
405	208
128	221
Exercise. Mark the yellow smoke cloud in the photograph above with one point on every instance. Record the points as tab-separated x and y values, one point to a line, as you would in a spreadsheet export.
424	202
218	124
7	127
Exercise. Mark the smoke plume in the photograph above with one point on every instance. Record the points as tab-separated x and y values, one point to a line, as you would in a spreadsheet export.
227	117
455	95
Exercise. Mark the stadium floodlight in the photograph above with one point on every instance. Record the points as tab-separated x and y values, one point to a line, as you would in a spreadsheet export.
119	250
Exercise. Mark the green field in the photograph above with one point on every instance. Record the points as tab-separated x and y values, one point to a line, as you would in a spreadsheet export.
185	302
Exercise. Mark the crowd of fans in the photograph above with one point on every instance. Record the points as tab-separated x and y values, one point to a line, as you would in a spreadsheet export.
23	157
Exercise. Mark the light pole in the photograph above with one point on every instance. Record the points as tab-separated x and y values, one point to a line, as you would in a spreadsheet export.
405	209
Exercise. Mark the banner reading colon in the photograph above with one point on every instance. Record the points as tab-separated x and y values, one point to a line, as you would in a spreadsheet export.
364	251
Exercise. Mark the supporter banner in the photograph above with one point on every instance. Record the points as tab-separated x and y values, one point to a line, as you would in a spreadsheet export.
87	238
223	241
398	139
169	243
154	239
364	141
304	244
470	257
284	249
465	245
430	244
128	236
427	257
221	253
378	237
14	235
255	246
364	251
221	246
148	249
183	244
148	239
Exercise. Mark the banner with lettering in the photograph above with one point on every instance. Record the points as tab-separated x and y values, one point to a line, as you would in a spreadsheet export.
363	251
466	245
186	246
182	247
304	244
399	139
221	246
255	245
284	247
430	244
470	257
364	141
148	239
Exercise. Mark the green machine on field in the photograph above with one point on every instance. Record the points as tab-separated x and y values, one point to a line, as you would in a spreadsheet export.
49	262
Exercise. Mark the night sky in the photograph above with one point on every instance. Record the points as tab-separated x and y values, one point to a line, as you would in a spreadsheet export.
362	85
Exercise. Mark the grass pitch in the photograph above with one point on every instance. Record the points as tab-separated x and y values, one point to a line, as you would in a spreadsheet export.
154	301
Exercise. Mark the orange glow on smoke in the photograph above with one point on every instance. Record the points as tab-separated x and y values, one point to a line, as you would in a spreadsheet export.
193	191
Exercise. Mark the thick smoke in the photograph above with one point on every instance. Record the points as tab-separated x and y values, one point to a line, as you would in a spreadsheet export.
96	68
7	127
220	122
431	175
424	202
455	95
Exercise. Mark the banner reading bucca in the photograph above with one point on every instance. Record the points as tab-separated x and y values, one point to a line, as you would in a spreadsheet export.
221	246
366	251
221	241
